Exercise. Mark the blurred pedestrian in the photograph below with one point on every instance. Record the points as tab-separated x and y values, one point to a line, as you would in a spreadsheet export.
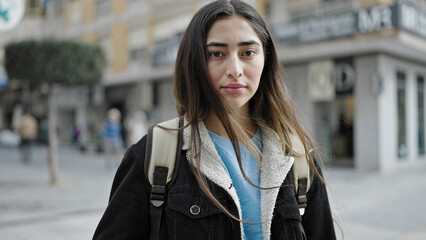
112	139
136	127
76	134
27	130
241	138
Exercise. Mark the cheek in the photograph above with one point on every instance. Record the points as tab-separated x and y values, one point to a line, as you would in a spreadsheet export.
256	71
214	73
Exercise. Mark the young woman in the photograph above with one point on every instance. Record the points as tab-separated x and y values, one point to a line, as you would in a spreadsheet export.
237	154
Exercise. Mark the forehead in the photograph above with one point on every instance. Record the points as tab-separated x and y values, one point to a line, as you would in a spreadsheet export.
232	29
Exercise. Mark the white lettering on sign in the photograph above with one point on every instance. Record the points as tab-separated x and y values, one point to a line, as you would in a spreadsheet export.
326	27
376	18
413	20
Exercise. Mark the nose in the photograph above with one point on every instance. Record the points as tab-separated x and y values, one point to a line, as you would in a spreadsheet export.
234	69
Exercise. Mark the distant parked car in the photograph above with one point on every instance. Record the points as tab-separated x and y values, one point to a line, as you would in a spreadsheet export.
9	138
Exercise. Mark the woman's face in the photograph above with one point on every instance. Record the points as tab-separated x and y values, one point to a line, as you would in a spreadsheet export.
235	60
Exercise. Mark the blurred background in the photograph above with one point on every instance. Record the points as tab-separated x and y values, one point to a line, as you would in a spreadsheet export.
356	69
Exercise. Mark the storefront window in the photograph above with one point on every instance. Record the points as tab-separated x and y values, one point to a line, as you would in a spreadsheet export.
402	123
421	114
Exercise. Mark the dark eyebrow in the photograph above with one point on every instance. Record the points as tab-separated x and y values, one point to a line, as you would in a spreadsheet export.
251	42
218	44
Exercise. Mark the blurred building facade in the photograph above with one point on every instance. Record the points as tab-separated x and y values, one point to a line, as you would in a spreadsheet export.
357	72
356	68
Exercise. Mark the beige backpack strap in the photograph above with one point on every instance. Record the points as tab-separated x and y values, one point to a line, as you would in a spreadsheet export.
163	153
301	173
162	148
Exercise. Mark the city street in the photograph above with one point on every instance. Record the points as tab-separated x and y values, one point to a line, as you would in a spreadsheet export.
32	209
386	206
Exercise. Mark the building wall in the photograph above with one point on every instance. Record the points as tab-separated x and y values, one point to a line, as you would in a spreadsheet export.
388	112
119	41
119	6
376	113
295	77
89	10
366	115
378	52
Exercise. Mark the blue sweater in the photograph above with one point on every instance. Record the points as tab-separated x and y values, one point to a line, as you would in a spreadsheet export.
249	196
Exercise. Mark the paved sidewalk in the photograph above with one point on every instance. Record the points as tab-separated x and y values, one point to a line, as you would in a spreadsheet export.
368	206
379	206
30	208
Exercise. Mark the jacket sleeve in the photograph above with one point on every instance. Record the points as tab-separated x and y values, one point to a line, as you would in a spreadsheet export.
317	220
127	213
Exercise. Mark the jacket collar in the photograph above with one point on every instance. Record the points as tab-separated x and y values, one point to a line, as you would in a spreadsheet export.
274	169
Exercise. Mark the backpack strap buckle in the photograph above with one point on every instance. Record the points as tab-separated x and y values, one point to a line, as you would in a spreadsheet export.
157	196
158	189
302	200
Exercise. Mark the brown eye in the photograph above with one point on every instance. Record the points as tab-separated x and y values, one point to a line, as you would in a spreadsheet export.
215	54
249	53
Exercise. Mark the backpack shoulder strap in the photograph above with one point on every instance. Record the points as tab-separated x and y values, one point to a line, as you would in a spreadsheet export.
162	157
301	173
162	148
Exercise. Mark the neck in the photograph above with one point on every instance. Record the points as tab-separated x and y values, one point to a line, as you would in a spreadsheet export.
213	124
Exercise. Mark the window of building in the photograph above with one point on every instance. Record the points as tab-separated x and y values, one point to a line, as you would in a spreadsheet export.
34	3
57	11
421	114
138	41
33	8
103	7
53	9
138	54
401	109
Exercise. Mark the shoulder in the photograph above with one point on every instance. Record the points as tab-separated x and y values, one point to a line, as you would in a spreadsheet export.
132	165
133	159
136	152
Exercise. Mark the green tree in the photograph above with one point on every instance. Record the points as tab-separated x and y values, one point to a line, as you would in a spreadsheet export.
45	63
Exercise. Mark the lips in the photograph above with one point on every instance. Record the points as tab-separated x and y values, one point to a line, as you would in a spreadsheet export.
233	88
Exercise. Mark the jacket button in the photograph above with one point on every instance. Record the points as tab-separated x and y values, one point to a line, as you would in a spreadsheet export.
195	210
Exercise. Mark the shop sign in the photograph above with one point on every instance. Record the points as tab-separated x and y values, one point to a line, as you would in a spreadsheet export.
345	77
376	18
11	14
411	19
344	24
3	77
328	78
316	29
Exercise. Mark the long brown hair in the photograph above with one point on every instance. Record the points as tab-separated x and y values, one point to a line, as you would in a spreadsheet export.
196	97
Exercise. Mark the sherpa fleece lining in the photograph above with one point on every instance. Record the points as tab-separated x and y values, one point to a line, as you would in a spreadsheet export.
274	169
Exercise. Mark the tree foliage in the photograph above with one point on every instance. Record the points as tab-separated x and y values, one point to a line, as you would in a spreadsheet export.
54	61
